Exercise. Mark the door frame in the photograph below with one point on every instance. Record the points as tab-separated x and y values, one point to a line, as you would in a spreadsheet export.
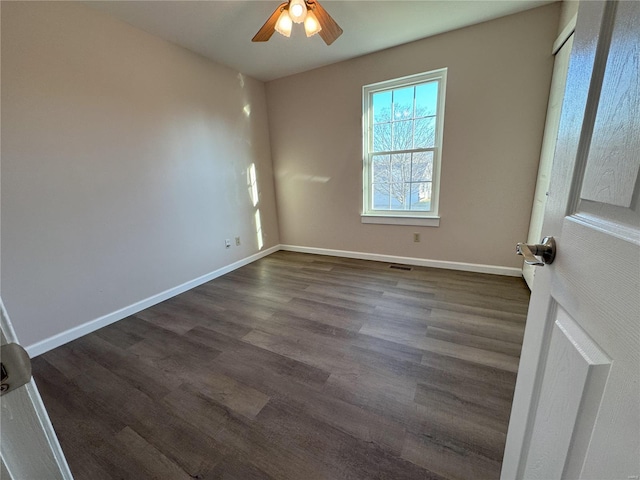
30	447
546	154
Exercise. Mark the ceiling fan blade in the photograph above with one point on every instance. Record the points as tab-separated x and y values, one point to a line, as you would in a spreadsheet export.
330	29
268	28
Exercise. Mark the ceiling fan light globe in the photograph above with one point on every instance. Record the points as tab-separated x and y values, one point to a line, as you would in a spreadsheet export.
311	24
284	24
297	10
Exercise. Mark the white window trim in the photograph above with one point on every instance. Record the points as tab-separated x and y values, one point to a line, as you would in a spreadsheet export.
430	221
403	217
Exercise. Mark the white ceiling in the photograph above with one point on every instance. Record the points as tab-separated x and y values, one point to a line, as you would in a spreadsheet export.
222	30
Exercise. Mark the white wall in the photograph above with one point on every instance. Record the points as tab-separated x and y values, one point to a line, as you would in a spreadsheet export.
124	166
498	85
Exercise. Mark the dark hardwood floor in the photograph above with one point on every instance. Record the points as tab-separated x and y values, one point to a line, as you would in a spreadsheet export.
297	367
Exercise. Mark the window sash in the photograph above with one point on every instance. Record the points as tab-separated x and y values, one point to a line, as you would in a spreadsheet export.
370	190
398	152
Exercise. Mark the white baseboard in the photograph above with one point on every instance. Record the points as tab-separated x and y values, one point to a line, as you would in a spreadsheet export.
422	262
50	343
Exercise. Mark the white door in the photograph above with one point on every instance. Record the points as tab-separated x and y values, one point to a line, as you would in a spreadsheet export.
29	448
576	410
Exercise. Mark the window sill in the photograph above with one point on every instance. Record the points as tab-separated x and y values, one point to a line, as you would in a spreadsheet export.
401	220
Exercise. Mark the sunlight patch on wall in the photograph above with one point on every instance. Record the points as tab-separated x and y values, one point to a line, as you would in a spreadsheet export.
252	181
259	230
253	184
300	177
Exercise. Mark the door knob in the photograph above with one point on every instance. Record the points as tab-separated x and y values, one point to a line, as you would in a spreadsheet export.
15	368
546	251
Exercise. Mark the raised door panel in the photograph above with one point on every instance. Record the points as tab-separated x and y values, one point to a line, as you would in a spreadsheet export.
571	393
610	187
611	174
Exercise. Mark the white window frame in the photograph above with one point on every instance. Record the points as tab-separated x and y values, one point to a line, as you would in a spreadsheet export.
402	217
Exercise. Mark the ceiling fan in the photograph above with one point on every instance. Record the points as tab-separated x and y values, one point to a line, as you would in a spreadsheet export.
315	18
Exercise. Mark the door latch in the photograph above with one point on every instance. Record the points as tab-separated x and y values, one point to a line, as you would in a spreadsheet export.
15	367
546	251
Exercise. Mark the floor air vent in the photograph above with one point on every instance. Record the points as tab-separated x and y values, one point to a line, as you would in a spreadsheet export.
401	267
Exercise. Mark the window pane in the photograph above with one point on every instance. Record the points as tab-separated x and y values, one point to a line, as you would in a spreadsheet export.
399	196
402	135
382	107
382	137
421	196
401	167
422	167
381	196
426	99
381	165
425	136
403	103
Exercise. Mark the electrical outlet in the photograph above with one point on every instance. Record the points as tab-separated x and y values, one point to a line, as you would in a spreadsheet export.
227	243
416	237
237	241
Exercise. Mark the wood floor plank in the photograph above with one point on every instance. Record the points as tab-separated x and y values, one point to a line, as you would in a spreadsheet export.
153	464
448	460
479	325
303	351
326	446
263	359
485	343
152	381
381	348
243	436
493	377
348	418
151	419
81	425
235	395
433	420
463	352
480	410
297	366
489	385
238	467
118	336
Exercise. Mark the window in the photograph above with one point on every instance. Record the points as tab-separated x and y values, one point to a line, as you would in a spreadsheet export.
403	121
